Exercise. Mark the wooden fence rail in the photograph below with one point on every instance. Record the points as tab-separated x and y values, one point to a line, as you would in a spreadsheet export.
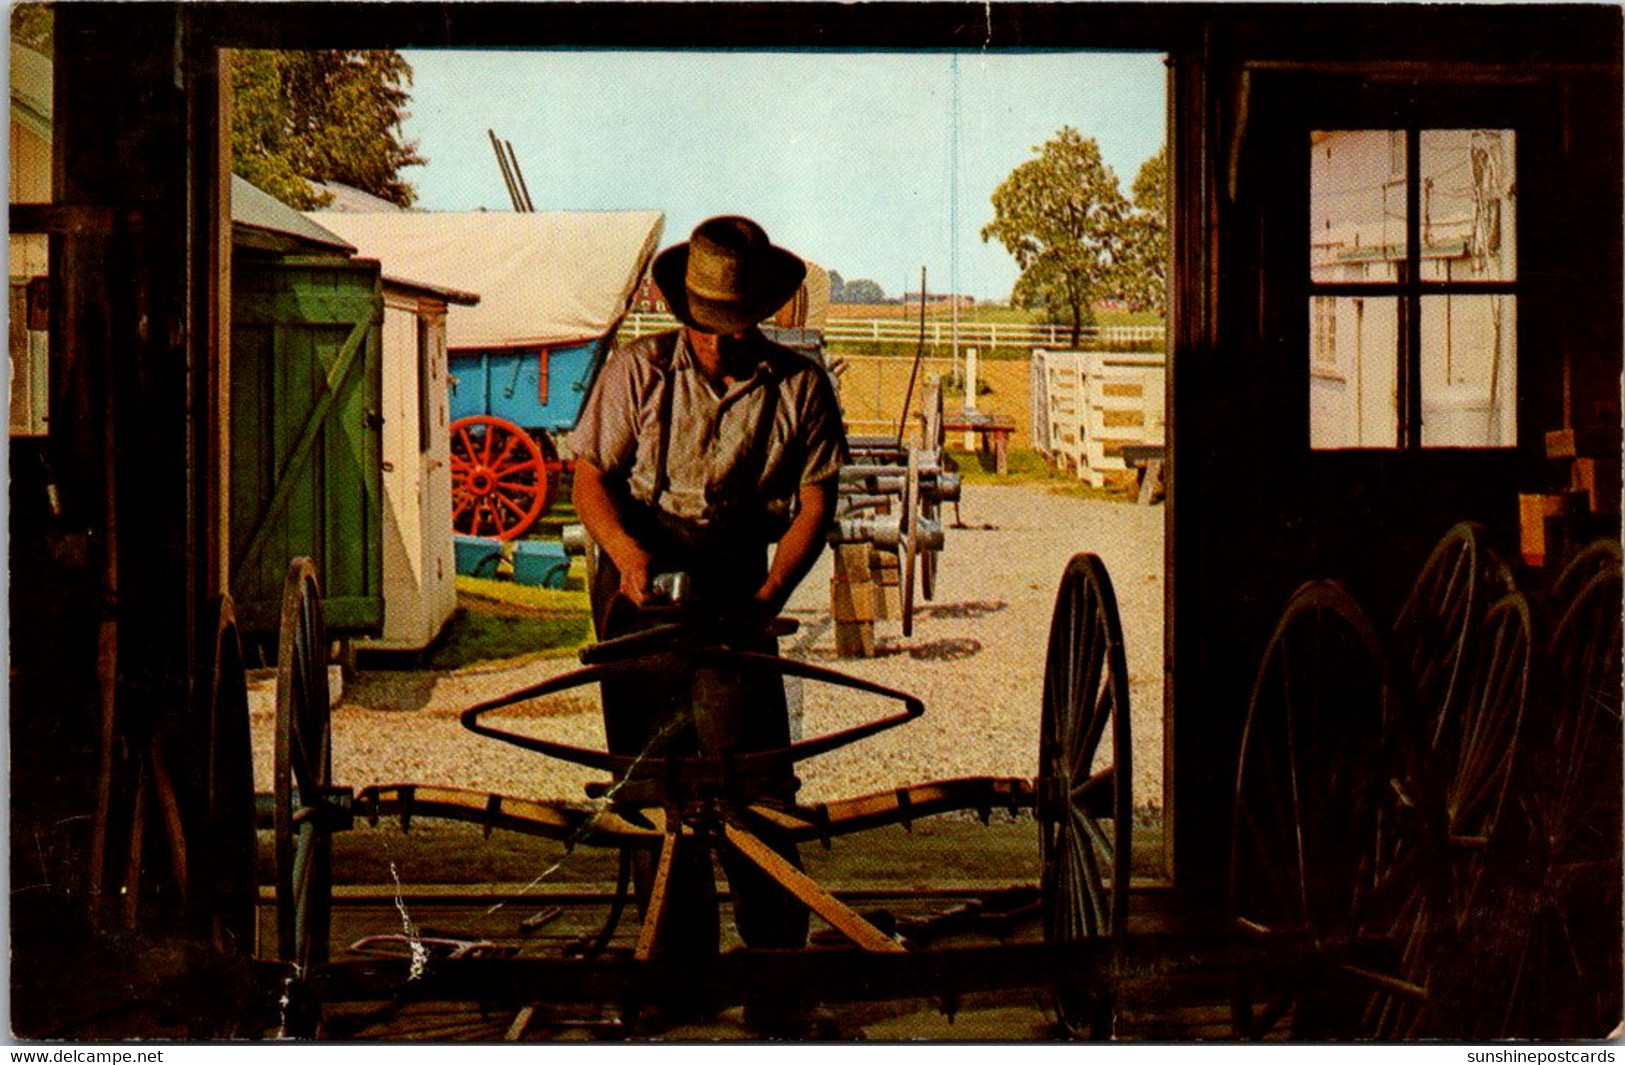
982	335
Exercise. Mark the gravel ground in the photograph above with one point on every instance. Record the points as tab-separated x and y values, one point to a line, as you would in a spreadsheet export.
975	658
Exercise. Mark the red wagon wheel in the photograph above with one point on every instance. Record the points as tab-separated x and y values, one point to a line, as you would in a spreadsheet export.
502	478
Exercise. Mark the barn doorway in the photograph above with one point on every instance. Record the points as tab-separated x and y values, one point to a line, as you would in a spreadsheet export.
927	286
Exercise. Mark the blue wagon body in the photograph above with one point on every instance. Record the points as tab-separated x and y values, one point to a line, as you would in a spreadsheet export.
532	387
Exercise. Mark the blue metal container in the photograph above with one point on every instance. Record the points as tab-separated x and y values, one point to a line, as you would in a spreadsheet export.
540	563
477	556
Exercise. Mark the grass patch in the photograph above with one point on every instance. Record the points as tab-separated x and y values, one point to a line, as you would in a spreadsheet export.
1027	466
499	621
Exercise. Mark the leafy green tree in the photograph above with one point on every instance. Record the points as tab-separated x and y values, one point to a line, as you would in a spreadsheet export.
1061	215
33	25
322	116
863	290
1144	279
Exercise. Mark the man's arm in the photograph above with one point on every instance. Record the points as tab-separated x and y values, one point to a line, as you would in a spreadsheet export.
799	548
597	506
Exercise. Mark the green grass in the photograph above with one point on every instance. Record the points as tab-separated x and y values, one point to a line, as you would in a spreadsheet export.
1027	466
500	621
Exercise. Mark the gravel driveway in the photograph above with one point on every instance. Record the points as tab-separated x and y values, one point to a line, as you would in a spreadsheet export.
976	659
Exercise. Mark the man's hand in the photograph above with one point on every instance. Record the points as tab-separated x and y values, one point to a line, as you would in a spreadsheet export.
635	577
597	502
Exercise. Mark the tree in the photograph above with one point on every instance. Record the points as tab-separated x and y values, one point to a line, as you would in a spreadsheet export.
863	290
322	116
1144	279
837	287
1061	216
33	25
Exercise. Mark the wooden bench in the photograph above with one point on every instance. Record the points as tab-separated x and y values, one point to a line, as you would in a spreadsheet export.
1147	458
993	433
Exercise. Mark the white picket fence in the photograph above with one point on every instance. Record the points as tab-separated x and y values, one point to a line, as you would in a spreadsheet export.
980	335
1086	405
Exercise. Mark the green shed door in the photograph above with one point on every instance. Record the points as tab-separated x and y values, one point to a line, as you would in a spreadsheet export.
306	453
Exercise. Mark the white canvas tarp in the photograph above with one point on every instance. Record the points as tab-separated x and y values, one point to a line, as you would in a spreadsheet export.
542	278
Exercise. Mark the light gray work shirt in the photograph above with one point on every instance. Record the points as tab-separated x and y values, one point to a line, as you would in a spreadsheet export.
717	466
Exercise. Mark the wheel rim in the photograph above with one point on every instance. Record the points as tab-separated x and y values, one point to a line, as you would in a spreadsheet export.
502	478
303	772
1566	979
1085	702
228	891
910	548
1311	867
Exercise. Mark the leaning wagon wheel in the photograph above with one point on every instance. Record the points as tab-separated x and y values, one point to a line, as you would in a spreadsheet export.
1313	878
1567	978
303	773
226	887
1086	861
502	478
909	548
1436	626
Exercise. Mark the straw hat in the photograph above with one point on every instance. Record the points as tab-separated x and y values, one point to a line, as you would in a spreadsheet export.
728	277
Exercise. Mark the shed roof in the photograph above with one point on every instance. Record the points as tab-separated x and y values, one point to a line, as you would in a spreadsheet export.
543	278
253	207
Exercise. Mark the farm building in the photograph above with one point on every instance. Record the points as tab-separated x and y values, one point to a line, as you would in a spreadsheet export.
375	526
1390	805
554	287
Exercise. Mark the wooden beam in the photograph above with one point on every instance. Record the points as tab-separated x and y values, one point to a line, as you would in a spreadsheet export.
803	887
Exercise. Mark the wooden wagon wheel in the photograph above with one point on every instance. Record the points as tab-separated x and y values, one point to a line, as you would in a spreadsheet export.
908	548
1450	913
226	889
303	773
1318	786
1436	627
1085	874
1567	978
502	478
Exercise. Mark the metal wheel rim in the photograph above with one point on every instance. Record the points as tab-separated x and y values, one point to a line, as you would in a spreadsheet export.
303	766
1435	625
910	548
1085	701
501	479
1297	880
229	791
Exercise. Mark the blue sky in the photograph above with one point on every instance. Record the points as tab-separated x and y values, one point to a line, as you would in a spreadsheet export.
844	157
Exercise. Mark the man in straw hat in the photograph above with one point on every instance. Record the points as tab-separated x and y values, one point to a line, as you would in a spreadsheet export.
697	450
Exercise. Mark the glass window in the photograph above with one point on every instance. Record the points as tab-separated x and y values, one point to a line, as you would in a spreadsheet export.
1413	320
1357	204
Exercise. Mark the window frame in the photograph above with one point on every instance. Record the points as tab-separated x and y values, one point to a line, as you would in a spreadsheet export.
1410	288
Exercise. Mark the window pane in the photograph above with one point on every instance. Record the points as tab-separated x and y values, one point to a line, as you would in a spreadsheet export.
1469	371
1353	372
1469	202
1356	205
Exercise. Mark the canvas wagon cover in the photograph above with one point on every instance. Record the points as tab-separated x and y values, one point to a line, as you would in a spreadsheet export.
543	277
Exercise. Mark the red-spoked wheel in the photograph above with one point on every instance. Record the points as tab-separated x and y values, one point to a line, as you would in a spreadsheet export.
502	478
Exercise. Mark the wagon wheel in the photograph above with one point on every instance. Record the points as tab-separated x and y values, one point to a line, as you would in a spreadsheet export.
227	893
1435	628
909	547
1085	873
1451	910
1474	755
1567	976
303	773
502	478
1321	776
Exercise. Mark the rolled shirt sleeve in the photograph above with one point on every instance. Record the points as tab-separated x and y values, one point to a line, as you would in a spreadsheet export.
824	440
606	433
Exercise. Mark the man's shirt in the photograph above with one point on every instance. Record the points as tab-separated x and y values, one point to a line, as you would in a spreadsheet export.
733	462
